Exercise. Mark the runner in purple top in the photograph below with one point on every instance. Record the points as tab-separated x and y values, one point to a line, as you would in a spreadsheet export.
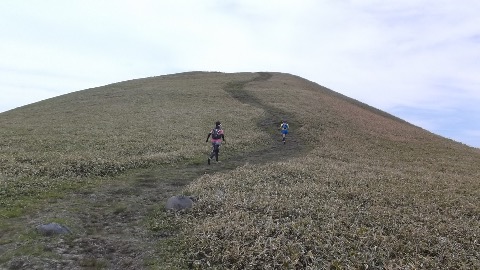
217	138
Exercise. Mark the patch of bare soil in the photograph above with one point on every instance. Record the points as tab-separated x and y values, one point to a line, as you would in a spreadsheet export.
109	224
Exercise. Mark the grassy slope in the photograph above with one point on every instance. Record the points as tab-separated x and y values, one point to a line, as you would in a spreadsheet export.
107	130
104	130
65	144
372	190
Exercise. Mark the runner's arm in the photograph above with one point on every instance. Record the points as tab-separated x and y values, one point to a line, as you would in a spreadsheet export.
208	136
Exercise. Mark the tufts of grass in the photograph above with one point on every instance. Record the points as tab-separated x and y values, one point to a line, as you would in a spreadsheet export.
318	213
107	130
374	192
60	144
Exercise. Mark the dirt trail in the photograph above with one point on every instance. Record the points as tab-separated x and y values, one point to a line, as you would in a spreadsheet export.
110	222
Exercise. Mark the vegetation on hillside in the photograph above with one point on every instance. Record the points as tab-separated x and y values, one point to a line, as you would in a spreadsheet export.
107	130
373	192
366	190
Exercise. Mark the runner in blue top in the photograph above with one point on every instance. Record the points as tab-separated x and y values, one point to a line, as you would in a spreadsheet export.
284	130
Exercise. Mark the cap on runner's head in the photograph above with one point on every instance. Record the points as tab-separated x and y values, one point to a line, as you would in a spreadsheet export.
217	123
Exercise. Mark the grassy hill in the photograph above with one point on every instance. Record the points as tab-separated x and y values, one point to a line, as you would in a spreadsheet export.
353	188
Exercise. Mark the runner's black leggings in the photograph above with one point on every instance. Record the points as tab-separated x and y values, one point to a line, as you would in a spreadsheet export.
215	150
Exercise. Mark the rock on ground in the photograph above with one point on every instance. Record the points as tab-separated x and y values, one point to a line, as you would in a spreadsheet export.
52	229
179	202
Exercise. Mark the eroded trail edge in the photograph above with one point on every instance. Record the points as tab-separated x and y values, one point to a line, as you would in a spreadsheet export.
270	123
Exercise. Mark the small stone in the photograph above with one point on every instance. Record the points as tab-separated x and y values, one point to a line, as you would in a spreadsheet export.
179	202
52	229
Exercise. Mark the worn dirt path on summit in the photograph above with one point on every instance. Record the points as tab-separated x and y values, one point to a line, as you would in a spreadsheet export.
110	222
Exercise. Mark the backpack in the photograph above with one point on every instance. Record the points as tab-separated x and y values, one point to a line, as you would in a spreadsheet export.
284	126
216	134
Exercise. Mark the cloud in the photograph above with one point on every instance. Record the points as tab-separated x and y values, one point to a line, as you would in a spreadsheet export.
417	60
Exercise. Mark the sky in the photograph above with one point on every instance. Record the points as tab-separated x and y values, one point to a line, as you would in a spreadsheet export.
416	59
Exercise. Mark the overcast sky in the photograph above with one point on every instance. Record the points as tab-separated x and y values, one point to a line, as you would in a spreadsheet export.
416	59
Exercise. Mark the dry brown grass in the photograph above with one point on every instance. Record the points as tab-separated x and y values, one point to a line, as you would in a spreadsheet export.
125	125
56	143
70	143
373	192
